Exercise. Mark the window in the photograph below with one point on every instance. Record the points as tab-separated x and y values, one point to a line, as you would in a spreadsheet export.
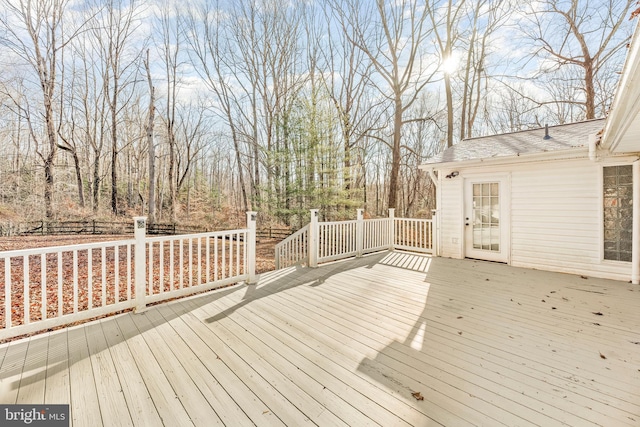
618	212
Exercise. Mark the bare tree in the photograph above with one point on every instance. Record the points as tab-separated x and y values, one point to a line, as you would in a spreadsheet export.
35	33
351	93
116	26
445	21
582	37
485	19
211	49
151	144
393	36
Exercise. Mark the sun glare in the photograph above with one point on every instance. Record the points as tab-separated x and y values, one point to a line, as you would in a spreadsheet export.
450	65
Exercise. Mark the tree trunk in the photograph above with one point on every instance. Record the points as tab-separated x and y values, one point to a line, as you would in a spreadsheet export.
114	150
151	145
447	88
590	93
395	153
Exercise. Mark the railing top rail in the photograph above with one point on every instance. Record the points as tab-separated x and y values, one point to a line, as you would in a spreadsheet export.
196	235
66	248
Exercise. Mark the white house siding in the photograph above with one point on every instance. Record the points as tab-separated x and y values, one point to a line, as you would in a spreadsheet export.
555	217
451	217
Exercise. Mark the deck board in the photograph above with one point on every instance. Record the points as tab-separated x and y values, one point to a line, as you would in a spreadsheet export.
199	410
84	404
57	389
347	344
169	407
139	402
113	406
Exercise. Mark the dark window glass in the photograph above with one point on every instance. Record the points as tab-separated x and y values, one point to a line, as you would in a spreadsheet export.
618	212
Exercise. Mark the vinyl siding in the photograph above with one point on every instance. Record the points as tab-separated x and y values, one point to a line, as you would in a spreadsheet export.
555	216
555	219
451	217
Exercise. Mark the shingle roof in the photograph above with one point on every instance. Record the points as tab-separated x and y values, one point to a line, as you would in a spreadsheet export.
563	137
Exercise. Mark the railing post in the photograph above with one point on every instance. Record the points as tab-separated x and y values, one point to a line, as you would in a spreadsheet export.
313	239
140	260
434	232
392	228
251	247
359	233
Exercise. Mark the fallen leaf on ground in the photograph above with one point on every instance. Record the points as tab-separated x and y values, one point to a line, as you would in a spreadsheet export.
597	313
583	277
417	395
459	317
602	356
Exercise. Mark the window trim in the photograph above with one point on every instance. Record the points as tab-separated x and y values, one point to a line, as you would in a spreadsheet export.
609	163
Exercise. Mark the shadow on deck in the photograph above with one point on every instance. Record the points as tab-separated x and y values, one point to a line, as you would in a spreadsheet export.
389	339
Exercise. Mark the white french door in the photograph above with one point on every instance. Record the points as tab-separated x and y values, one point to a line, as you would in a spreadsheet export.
486	216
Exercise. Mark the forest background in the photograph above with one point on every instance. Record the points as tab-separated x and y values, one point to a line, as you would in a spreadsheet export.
196	111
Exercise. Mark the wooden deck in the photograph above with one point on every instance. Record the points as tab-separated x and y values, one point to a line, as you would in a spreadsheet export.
348	344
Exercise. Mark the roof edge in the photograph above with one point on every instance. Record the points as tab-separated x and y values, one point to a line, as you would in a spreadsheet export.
569	153
532	130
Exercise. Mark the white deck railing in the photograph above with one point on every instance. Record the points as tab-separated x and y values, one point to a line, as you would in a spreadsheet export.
54	286
336	240
329	241
294	249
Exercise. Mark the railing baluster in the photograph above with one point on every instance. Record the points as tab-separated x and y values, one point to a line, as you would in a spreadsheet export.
75	281
171	264
150	268
43	286
89	279
8	295
215	258
231	244
244	243
199	282
224	258
161	267
208	255
60	307
104	275
25	293
190	265
129	282
116	272
181	264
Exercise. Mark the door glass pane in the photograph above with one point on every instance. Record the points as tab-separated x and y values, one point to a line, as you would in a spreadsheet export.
486	216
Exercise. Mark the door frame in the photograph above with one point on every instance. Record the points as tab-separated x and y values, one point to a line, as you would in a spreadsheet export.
504	180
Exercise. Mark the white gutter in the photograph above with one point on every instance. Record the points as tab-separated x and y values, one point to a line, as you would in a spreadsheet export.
625	101
635	236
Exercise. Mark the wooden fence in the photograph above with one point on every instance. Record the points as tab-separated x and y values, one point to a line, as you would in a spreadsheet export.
117	227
